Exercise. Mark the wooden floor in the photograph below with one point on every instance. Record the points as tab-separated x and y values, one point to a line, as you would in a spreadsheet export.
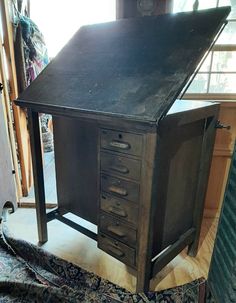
49	181
79	249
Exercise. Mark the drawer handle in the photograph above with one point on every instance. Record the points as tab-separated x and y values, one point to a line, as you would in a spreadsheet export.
118	190
116	251
121	145
116	231
117	211
120	169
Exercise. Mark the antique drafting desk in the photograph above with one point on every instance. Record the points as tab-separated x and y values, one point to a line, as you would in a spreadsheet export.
123	160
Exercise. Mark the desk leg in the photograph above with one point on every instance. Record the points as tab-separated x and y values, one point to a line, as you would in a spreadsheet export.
146	213
143	274
37	161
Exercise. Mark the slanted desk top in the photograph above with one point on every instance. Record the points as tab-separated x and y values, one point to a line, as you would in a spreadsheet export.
132	68
127	159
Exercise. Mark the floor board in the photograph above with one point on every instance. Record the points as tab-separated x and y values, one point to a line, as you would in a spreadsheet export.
49	181
79	249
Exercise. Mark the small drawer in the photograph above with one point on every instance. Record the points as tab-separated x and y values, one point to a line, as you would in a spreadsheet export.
122	142
124	209
117	229
117	249
122	166
121	188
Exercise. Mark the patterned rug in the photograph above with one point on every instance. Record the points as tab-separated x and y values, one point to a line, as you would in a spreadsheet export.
30	274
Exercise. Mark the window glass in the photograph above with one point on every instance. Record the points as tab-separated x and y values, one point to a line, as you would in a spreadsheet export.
187	5
222	83
228	36
231	3
206	64
199	84
182	6
61	19
218	72
224	62
203	4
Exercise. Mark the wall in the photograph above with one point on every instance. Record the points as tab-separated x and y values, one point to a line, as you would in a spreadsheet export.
222	154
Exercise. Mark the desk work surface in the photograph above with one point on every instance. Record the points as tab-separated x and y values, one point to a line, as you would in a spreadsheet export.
132	68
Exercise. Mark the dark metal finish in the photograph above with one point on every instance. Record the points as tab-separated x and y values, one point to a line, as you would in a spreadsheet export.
221	126
37	161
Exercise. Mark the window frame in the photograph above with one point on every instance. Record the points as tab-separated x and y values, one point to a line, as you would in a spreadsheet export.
208	95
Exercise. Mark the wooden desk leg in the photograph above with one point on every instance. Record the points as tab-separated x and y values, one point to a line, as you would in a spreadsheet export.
37	162
146	215
143	273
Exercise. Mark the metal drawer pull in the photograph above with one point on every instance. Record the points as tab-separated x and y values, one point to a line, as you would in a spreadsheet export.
116	231
118	190
116	251
117	211
121	145
120	169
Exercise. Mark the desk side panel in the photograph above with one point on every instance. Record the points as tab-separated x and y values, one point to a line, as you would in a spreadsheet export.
180	152
76	159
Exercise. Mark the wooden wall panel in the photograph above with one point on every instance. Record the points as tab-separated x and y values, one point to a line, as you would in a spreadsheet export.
222	154
8	119
20	119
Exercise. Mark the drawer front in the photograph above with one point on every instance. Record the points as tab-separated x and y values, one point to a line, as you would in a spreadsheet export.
117	229
121	188
117	249
122	142
124	209
122	166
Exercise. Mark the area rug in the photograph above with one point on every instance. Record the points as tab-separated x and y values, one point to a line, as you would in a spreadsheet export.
30	274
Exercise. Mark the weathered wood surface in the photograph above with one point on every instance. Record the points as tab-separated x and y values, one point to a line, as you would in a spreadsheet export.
131	67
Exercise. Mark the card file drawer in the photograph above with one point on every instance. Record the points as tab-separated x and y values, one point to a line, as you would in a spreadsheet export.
121	166
122	142
117	249
124	209
121	188
117	229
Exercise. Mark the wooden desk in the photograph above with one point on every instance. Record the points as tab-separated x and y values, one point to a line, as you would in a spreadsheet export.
124	161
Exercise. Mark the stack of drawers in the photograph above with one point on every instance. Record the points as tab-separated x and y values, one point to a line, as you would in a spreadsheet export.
120	173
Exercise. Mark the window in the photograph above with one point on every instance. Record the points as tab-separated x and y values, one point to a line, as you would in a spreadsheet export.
217	76
59	20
